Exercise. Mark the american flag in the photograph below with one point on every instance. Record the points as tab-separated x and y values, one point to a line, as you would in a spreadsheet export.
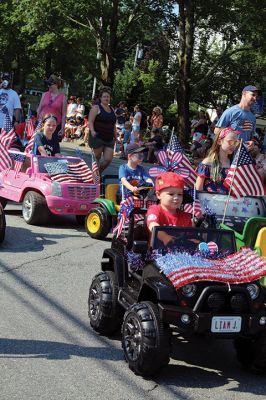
29	146
175	147
30	128
18	159
195	206
95	170
243	177
6	138
183	268
75	173
126	207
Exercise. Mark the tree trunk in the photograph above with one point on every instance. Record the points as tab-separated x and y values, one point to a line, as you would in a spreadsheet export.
109	46
185	53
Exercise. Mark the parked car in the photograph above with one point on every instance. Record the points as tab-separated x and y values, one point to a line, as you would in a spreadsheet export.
40	195
148	307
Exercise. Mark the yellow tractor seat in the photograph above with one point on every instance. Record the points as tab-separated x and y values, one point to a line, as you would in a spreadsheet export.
260	247
111	194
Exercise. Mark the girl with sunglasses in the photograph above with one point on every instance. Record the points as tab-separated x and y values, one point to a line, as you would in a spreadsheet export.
54	102
213	169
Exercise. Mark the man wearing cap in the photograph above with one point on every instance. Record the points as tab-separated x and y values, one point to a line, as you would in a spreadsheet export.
9	101
240	117
132	175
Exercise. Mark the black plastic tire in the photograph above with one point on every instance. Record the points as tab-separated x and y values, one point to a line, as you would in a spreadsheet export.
34	208
145	339
104	312
98	223
3	202
251	353
2	225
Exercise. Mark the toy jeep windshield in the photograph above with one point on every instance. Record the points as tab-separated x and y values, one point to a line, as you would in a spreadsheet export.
150	290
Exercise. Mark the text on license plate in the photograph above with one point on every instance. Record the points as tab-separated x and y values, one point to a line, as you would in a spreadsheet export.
226	324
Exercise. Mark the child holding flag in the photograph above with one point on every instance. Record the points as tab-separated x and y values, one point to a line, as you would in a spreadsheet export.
212	171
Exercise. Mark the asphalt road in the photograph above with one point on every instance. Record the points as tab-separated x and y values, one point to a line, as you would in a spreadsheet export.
49	351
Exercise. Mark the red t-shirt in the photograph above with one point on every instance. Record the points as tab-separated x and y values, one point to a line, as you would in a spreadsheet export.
162	217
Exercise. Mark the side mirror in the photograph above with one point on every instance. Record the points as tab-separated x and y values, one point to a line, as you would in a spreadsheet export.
140	246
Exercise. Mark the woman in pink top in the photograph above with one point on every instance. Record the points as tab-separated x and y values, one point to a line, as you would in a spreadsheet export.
54	102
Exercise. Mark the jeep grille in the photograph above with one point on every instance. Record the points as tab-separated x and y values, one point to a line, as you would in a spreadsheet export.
82	192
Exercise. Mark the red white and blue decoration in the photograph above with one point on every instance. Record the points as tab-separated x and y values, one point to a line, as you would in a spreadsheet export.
210	247
66	172
7	137
126	207
183	268
243	178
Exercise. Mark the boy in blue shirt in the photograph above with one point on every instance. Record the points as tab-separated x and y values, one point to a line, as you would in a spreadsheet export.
132	175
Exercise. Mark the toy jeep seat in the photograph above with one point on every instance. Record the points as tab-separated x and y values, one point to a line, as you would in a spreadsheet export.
260	247
238	210
250	231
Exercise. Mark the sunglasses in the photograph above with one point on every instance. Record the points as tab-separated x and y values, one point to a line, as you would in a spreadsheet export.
233	142
140	156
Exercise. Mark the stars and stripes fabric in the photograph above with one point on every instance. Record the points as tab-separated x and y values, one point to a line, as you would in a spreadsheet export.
95	170
29	146
6	139
194	207
30	128
172	164
126	207
174	148
183	268
67	172
243	177
18	159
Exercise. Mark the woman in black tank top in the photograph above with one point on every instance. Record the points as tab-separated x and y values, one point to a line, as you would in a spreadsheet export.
102	136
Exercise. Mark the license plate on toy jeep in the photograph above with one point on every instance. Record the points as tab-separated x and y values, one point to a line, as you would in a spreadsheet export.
226	324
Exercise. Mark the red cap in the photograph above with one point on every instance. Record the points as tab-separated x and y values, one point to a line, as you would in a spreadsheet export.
169	179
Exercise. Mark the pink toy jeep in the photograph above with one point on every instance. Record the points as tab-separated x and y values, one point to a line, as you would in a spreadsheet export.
40	195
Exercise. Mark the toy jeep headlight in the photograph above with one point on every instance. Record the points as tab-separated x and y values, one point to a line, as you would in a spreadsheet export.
56	189
253	290
189	290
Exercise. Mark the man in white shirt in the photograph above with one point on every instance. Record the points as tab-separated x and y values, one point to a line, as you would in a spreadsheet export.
9	100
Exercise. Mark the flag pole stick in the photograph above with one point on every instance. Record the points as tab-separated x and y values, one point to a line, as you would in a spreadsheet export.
230	189
27	123
193	206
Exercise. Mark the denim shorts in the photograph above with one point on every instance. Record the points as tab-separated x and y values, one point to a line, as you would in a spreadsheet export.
96	142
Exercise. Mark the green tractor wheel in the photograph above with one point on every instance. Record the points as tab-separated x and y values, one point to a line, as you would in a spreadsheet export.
98	223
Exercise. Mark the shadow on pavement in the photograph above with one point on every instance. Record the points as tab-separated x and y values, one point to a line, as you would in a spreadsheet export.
12	348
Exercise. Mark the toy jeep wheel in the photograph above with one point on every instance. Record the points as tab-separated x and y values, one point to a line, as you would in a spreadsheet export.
98	223
145	339
34	208
3	202
251	353
104	311
2	225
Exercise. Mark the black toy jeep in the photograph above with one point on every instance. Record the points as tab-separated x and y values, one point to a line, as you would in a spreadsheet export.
2	224
135	292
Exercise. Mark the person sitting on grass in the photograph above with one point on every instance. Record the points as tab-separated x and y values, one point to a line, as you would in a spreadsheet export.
169	189
132	175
